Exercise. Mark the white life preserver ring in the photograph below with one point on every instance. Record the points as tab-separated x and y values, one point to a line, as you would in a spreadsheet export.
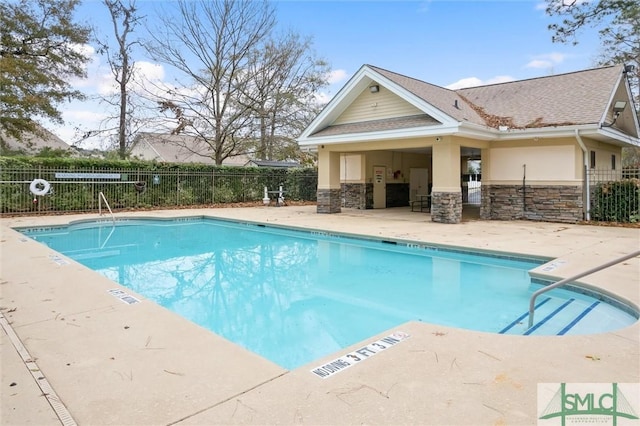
39	187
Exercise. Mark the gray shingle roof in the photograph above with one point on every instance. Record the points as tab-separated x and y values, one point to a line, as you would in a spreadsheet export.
575	98
565	99
177	149
31	143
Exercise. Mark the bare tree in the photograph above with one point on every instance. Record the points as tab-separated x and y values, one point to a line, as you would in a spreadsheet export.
210	43
283	77
124	19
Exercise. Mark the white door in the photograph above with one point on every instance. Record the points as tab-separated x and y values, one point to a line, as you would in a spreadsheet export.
379	187
418	182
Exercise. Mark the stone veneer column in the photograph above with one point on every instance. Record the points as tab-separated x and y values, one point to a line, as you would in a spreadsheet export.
446	207
329	195
354	196
329	201
446	193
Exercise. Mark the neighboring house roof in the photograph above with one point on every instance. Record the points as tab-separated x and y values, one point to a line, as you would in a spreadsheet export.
32	143
581	100
177	149
266	163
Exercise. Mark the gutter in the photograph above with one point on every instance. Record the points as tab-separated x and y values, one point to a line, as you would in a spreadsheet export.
585	157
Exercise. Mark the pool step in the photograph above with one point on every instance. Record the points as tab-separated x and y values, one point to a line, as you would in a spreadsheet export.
555	317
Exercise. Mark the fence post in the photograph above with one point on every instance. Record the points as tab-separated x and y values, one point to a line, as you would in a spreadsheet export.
39	175
244	186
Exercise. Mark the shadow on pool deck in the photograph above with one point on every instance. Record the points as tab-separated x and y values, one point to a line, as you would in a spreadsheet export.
113	363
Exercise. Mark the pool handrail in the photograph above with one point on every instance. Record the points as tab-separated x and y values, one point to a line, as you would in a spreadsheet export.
532	301
100	198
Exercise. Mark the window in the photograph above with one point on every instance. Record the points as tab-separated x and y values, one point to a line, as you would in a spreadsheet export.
613	162
593	159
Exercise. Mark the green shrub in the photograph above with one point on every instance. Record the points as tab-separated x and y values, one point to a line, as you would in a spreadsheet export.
617	201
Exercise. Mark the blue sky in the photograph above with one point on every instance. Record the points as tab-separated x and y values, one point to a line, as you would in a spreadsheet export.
447	43
441	42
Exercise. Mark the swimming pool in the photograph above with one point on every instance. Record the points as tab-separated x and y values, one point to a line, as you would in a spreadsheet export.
294	296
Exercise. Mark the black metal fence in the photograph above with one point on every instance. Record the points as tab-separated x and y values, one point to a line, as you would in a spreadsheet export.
45	190
614	195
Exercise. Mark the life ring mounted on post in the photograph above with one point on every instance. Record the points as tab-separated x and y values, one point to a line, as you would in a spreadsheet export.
39	187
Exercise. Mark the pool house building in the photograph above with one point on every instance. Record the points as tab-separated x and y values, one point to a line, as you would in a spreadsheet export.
388	140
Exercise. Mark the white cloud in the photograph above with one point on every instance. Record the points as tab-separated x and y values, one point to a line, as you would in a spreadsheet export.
546	61
83	115
85	49
539	64
92	67
143	72
79	118
323	98
475	81
105	84
149	71
541	6
465	82
336	76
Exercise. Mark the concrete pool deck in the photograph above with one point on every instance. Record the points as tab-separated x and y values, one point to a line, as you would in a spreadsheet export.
118	364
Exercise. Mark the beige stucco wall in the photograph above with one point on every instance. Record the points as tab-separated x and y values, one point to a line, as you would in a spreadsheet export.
411	160
603	154
328	169
548	162
446	165
375	106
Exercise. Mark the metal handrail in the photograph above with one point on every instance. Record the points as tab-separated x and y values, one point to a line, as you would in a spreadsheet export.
100	198
532	301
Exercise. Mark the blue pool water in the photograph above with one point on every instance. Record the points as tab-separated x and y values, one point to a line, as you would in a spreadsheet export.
294	296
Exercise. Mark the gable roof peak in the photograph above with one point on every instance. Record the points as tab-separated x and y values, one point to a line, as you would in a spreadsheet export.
387	72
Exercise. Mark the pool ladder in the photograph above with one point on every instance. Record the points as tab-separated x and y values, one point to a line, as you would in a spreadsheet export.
101	197
532	301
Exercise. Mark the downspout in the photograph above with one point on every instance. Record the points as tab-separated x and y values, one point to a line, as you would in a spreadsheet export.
585	157
524	190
